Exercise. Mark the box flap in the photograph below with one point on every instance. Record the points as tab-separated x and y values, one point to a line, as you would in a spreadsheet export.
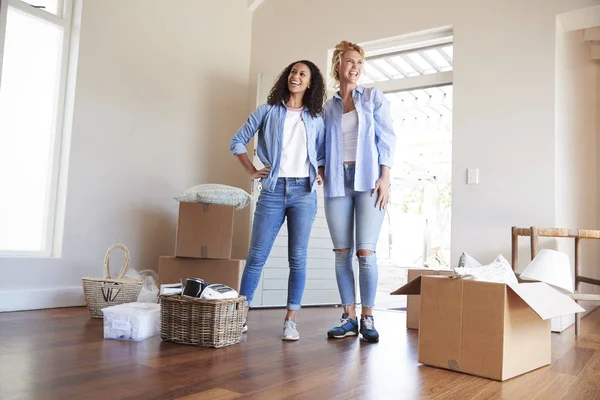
412	287
546	301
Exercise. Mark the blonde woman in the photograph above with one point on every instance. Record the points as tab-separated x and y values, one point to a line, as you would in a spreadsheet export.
359	149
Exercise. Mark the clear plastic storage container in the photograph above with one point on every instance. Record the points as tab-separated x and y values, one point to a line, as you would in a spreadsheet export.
131	321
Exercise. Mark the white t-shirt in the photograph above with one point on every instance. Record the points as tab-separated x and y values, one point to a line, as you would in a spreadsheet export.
350	134
294	153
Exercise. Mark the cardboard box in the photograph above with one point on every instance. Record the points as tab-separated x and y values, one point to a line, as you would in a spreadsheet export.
204	231
487	329
413	302
227	272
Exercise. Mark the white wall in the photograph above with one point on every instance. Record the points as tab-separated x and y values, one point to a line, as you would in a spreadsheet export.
504	95
576	139
161	88
576	148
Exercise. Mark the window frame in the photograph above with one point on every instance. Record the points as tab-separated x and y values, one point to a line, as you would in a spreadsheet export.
65	22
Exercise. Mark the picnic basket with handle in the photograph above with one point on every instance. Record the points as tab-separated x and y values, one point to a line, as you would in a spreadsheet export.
109	291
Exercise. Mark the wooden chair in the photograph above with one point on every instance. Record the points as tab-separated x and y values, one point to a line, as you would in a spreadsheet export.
578	234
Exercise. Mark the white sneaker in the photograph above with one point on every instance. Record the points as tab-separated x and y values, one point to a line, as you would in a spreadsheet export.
244	326
290	330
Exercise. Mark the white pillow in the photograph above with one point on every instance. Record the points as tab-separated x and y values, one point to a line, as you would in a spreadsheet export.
498	271
212	193
467	261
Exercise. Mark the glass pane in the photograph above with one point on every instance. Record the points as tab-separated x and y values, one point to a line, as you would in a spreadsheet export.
449	50
420	61
438	59
28	99
404	66
373	73
51	6
388	68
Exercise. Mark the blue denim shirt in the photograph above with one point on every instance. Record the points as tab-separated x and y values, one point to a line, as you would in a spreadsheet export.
268	121
375	146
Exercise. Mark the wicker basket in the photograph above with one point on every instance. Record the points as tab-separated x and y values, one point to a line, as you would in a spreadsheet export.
201	322
109	291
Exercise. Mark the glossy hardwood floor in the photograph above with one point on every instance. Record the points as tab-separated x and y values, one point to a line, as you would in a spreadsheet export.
60	354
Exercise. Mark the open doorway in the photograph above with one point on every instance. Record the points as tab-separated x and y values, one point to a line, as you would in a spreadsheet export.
417	232
417	81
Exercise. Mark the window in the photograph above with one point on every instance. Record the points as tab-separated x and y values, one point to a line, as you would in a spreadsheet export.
35	41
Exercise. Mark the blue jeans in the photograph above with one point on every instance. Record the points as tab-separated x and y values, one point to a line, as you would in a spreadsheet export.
293	199
342	213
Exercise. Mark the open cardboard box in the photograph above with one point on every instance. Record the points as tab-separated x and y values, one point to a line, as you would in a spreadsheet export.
413	302
492	330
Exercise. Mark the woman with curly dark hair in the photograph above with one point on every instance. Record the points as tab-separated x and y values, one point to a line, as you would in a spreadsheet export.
290	141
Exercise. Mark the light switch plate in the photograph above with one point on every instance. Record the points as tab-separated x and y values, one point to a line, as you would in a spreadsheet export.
472	176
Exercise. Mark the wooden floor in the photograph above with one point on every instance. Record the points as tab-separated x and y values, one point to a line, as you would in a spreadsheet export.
60	354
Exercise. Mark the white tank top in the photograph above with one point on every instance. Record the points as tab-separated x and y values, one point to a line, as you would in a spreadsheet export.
294	152
350	134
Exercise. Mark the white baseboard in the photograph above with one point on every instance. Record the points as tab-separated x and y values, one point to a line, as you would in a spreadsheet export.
559	324
36	299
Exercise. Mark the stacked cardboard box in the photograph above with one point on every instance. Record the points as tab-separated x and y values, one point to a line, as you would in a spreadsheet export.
203	247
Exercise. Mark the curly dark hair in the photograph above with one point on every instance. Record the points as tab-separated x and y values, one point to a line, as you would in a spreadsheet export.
313	98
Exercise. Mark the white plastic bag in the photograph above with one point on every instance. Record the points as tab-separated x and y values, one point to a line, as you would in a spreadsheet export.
498	271
149	292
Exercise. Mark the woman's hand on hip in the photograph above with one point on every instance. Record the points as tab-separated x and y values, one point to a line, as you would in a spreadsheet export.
382	188
261	173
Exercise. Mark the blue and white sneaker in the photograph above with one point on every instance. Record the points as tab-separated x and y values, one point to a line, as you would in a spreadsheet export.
367	329
347	327
244	326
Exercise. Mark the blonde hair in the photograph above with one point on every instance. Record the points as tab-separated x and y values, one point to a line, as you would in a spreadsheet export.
339	51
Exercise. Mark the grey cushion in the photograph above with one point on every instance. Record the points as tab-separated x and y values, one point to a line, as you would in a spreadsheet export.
212	193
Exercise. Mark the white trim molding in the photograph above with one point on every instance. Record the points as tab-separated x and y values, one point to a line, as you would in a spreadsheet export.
579	19
414	82
37	299
592	37
594	50
254	4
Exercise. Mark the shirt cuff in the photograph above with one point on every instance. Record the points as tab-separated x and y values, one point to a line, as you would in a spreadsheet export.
238	148
387	161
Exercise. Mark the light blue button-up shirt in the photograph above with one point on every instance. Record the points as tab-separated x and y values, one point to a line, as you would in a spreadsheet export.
375	146
268	121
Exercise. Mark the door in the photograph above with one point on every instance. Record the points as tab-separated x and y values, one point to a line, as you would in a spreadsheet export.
321	286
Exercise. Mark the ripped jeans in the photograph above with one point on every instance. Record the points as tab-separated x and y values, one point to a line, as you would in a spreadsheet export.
342	213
